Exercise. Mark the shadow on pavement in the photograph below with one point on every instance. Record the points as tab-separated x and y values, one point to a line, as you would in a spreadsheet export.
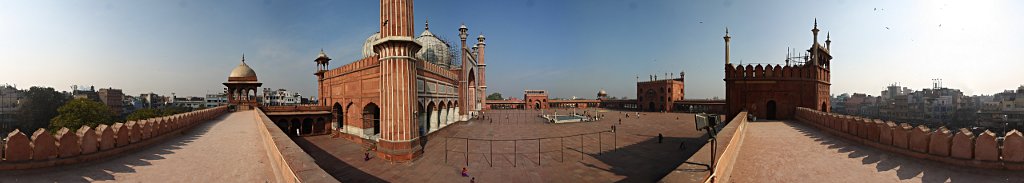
646	161
339	169
907	167
103	169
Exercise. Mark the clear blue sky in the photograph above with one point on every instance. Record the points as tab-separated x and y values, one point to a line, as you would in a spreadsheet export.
570	48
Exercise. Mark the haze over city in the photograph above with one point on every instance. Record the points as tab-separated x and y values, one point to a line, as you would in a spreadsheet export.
570	48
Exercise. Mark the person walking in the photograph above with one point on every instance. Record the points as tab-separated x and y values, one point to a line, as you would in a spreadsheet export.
660	138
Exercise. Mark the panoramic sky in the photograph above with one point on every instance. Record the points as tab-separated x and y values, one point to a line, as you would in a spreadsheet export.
570	48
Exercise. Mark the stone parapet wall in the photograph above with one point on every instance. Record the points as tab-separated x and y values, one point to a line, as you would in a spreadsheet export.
289	162
729	141
958	147
777	71
45	149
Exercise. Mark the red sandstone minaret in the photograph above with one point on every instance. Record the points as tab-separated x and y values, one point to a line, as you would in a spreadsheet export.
322	66
465	102
396	48
483	68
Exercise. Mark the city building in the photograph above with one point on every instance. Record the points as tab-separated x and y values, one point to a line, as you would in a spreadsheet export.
280	97
78	93
151	100
10	98
216	99
114	99
190	102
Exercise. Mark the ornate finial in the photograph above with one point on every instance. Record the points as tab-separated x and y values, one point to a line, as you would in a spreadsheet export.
815	22
828	35
243	58
426	24
726	31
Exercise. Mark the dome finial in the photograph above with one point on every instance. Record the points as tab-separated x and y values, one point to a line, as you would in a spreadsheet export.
243	58
426	24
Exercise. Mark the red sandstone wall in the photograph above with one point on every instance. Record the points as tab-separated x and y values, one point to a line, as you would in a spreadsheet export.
66	147
751	87
962	148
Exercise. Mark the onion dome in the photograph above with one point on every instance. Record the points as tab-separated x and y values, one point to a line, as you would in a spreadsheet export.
368	45
243	71
434	50
322	55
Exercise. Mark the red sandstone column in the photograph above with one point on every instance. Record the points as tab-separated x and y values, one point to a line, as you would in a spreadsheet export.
481	76
398	74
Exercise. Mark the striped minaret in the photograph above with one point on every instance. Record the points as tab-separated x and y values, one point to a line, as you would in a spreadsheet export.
482	72
397	81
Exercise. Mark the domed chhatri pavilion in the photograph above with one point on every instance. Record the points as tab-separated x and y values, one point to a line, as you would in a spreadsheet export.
405	86
242	86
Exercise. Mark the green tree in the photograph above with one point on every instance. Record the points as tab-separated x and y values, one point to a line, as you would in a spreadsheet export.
495	96
172	110
143	114
38	107
79	112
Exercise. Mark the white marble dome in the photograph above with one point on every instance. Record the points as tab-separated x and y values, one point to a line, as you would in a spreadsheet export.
368	45
434	50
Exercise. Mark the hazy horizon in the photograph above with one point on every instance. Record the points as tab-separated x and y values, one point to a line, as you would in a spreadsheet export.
569	48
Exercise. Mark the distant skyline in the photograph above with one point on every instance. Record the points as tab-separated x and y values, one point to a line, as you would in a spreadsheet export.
569	48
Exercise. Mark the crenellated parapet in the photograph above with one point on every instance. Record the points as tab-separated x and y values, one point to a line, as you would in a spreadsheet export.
46	149
362	64
959	147
437	70
776	72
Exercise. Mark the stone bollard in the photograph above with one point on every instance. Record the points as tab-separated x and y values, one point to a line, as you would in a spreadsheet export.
106	136
863	124
44	146
941	141
985	147
919	138
87	140
901	136
18	147
874	130
120	134
885	133
145	129
963	144
68	143
134	132
1013	147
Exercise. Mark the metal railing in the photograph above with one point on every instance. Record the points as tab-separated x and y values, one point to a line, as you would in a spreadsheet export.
516	151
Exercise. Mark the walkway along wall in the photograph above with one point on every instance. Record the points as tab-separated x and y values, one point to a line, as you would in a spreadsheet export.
87	144
289	162
959	147
730	140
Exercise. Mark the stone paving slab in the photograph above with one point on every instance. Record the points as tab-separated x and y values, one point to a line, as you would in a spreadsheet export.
776	151
226	149
639	157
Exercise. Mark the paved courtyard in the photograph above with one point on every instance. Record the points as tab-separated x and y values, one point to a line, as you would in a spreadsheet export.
637	158
777	151
226	149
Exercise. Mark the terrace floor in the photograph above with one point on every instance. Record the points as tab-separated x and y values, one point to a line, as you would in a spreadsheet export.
631	154
225	149
783	151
